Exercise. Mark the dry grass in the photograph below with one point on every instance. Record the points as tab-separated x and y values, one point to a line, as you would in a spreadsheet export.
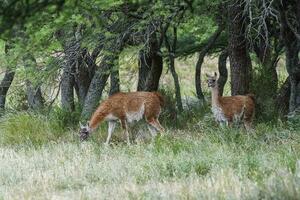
200	163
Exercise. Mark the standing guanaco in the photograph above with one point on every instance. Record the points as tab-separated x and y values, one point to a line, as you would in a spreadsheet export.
230	108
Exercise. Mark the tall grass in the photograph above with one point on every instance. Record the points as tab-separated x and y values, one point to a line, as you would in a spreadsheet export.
41	158
36	129
200	161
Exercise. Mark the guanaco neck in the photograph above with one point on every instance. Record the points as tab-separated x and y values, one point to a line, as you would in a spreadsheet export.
96	119
215	96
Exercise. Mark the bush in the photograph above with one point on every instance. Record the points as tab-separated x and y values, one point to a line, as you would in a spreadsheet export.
294	120
193	111
36	129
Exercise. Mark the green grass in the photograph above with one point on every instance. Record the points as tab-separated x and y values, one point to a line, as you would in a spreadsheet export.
201	161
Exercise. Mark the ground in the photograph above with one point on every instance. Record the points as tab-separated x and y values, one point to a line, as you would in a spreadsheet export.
203	161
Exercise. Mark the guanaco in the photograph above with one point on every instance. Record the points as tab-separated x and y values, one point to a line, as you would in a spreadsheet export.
231	108
126	108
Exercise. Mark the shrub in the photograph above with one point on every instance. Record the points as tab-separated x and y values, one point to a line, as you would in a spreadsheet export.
29	128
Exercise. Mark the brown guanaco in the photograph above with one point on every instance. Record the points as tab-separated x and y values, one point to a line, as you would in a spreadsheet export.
126	108
229	108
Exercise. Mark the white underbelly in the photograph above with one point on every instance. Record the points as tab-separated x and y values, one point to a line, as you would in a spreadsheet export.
135	116
110	117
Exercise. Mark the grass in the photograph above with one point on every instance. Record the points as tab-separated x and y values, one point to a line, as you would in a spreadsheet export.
41	158
201	161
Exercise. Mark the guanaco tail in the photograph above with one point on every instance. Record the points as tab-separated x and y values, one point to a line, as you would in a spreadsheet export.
126	108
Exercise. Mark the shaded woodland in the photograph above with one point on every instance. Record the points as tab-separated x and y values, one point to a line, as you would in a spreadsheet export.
70	49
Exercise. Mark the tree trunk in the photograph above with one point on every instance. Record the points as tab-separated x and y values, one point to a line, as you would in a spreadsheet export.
97	85
282	100
114	81
152	82
223	73
144	69
67	93
240	63
112	50
68	80
34	94
6	82
202	54
283	97
72	50
82	75
4	86
34	97
268	52
292	60
172	53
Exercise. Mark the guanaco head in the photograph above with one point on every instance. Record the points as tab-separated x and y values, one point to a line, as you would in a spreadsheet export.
84	131
212	80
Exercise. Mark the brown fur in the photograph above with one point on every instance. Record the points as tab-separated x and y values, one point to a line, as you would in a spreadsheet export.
231	106
120	104
235	105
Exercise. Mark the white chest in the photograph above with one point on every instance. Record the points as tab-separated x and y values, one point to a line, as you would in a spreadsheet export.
218	114
135	116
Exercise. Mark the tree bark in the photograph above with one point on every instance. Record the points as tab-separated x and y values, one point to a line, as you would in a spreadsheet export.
172	53
97	85
68	82
34	94
268	52
6	82
292	60
111	51
202	54
4	86
240	63
144	69
71	46
83	75
223	73
282	99
152	82
114	81
67	93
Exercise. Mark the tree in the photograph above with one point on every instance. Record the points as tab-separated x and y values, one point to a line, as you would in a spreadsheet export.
291	41
34	94
240	64
202	53
223	73
172	53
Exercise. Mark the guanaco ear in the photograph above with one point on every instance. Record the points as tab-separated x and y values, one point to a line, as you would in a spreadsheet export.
207	75
216	74
88	123
80	124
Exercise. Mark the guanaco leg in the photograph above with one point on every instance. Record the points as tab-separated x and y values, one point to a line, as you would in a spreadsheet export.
125	127
111	128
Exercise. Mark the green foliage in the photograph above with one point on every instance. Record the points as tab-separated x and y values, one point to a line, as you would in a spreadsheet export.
64	118
29	129
294	120
193	111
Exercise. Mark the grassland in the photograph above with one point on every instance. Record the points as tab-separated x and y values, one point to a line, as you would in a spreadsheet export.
41	157
201	161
